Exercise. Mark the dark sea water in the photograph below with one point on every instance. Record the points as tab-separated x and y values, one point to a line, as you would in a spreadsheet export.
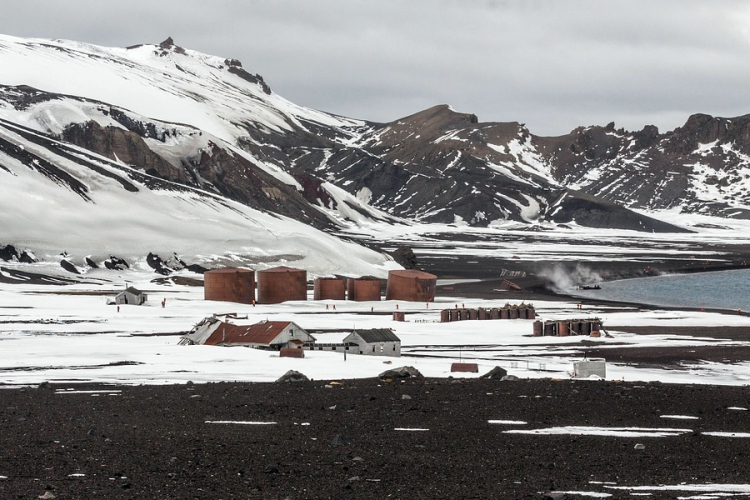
720	289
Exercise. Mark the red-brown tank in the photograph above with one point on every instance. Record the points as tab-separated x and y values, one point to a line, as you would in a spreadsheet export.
280	284
538	328
399	316
563	329
363	289
445	316
329	288
483	314
411	285
229	284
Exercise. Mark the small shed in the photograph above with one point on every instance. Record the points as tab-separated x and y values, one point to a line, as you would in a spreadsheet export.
376	342
264	335
131	295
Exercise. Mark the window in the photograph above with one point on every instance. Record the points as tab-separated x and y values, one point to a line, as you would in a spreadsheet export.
373	348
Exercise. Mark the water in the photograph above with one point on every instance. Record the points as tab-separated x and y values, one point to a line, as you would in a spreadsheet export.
720	289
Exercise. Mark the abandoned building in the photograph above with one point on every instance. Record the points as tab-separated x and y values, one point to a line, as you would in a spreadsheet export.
508	311
371	342
264	335
364	289
130	295
591	327
411	285
280	284
329	288
375	342
230	284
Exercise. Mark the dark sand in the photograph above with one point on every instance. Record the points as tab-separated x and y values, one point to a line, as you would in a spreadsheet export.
154	442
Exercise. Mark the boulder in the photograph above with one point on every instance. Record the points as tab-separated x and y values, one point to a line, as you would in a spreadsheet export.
293	376
496	373
401	372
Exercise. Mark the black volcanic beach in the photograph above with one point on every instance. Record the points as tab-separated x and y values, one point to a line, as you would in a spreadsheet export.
341	440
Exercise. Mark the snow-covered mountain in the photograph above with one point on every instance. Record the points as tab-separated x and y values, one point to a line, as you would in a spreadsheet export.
157	148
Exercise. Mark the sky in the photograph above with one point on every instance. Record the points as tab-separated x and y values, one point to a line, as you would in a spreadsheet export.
553	65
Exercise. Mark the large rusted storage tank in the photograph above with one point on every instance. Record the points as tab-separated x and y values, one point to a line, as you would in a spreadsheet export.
445	316
230	284
280	284
363	289
411	285
538	328
563	329
329	288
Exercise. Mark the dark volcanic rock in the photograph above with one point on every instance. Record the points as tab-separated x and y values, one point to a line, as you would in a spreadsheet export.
406	257
91	263
496	373
400	373
116	263
293	376
69	266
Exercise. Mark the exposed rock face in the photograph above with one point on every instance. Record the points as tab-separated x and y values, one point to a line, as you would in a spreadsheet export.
116	263
9	252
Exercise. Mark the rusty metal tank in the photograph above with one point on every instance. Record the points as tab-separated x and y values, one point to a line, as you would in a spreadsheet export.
538	328
411	285
329	288
563	329
483	313
494	313
522	311
399	316
229	284
530	312
585	328
455	315
505	312
513	313
280	284
364	289
445	316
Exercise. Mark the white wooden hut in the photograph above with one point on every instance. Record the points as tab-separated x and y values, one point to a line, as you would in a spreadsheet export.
375	342
131	295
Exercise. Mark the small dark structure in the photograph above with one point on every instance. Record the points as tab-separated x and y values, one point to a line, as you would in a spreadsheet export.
364	289
229	284
291	352
465	367
131	295
280	284
399	316
411	285
564	328
329	288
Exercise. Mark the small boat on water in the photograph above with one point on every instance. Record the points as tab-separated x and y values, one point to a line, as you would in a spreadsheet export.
588	287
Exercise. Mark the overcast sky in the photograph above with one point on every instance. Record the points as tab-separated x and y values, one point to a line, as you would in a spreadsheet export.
551	64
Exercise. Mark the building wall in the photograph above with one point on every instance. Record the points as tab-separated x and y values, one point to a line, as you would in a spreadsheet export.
392	349
130	298
329	288
363	289
275	287
229	285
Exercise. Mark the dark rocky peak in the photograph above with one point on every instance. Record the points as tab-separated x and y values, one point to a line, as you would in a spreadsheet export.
167	44
647	137
705	129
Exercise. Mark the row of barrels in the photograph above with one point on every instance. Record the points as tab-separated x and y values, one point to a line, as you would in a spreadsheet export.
520	311
589	327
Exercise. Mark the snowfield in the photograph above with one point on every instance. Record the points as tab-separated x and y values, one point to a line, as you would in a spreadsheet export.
69	334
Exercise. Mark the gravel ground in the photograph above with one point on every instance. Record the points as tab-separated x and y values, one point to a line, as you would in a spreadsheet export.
340	441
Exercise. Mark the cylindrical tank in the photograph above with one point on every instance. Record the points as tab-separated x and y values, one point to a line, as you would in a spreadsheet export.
522	311
585	328
482	313
538	328
595	333
398	316
329	288
505	313
473	314
455	315
563	329
513	312
365	289
229	284
530	312
411	285
280	284
445	316
494	313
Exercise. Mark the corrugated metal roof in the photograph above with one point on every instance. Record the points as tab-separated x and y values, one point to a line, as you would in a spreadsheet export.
259	333
376	335
133	290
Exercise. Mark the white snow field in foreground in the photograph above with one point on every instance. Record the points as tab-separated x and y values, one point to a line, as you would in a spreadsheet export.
69	334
